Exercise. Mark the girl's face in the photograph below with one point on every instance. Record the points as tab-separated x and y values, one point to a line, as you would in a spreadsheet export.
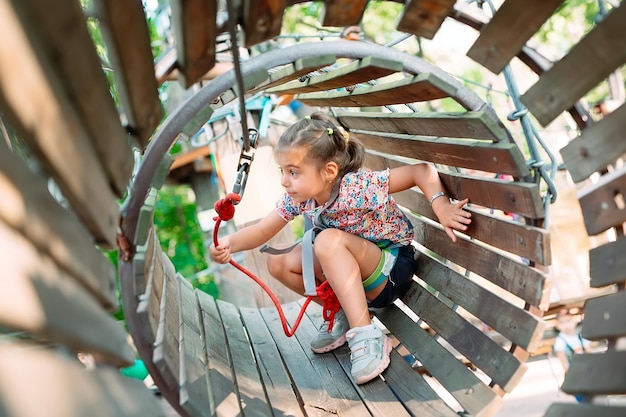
301	178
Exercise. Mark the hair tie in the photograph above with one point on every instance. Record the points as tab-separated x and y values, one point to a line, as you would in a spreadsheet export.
330	131
307	117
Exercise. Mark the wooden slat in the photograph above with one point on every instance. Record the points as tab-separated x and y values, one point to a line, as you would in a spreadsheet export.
588	63
597	374
125	30
39	298
166	354
598	146
49	121
602	203
502	158
194	23
30	209
249	386
520	280
511	197
194	385
342	12
505	369
413	391
607	264
64	389
531	243
424	17
476	397
142	263
221	378
604	317
471	124
584	410
145	225
510	28
58	34
297	69
325	395
517	325
421	87
278	387
148	308
361	71
262	20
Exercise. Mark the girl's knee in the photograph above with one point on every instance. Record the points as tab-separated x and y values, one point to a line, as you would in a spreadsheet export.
326	240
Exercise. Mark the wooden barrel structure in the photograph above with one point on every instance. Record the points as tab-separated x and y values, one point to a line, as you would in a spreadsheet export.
462	334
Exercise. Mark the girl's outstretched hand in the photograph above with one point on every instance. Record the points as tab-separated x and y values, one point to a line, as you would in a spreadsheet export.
452	216
221	254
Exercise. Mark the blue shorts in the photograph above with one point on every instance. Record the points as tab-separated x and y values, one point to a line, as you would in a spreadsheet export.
399	279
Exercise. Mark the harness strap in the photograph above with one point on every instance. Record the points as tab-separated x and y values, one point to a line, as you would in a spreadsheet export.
312	228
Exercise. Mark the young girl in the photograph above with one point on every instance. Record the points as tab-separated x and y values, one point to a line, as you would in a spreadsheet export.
365	251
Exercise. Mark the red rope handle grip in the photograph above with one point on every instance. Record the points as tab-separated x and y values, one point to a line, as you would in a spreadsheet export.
225	209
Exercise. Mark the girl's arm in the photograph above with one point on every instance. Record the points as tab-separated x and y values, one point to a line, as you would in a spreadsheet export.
247	238
425	176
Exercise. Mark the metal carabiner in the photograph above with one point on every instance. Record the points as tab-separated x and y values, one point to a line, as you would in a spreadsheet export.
245	161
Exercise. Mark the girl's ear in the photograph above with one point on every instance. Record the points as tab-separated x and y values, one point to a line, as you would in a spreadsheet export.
330	171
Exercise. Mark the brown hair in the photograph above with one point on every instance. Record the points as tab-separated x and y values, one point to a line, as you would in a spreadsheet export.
325	142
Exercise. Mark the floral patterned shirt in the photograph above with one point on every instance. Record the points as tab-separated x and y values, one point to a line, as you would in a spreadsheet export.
363	208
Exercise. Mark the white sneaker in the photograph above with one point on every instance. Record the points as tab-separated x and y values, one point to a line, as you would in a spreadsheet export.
369	352
330	340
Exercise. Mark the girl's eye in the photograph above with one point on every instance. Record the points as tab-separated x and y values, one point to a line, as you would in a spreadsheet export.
293	173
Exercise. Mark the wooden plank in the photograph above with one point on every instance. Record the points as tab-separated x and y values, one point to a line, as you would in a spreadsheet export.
57	34
471	393
195	397
602	203
607	264
125	31
49	121
342	13
30	209
297	69
148	308
604	317
65	389
424	17
598	146
528	242
166	354
249	386
596	374
145	219
584	410
281	396
514	23
597	55
413	391
501	158
517	278
377	396
142	263
321	382
471	124
501	366
512	322
262	20
361	71
194	23
40	298
511	197
422	87
221	377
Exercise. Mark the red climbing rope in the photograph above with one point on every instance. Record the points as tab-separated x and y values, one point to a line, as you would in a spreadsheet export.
225	209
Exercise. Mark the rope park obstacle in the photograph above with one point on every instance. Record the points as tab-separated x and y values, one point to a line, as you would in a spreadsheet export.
422	79
210	357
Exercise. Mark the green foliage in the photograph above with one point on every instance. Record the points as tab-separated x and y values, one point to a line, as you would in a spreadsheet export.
178	229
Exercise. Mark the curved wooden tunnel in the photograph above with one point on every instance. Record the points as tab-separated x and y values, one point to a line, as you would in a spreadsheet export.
462	333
